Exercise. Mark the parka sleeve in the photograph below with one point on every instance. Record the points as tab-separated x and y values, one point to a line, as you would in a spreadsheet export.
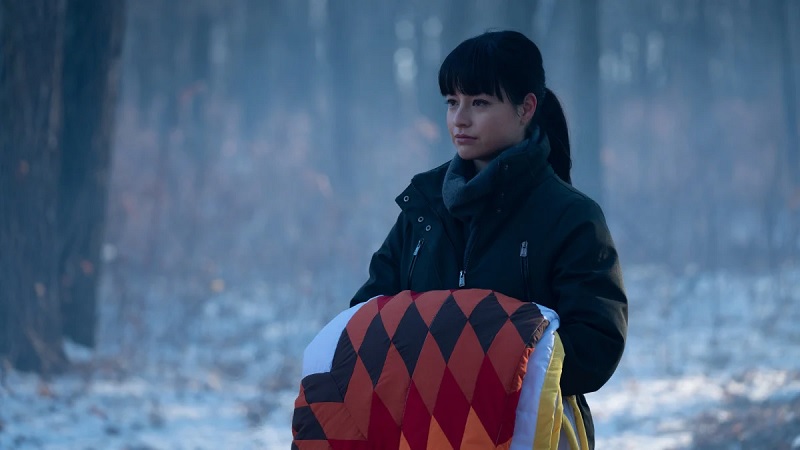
591	300
384	268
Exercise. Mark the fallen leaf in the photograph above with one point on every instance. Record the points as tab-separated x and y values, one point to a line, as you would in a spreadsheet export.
87	267
94	410
44	391
218	285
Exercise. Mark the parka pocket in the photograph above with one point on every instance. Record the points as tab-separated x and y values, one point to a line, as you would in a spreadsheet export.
414	261
523	265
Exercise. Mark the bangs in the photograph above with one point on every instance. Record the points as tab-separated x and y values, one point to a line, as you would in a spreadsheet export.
472	69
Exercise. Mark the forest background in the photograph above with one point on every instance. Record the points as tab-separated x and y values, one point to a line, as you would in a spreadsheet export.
198	186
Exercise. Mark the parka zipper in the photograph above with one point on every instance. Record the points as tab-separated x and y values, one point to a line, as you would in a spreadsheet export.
462	275
414	261
523	263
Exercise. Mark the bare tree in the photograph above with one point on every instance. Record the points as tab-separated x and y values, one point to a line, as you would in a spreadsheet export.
588	166
342	85
57	102
92	47
787	59
30	162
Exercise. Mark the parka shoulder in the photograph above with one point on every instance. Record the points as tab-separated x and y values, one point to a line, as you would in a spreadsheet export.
566	198
426	184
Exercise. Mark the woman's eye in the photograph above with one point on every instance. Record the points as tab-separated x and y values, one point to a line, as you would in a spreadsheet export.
450	102
479	102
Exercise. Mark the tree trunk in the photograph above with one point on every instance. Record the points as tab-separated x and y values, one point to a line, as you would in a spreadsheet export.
341	87
587	143
790	97
520	17
92	47
698	76
250	79
31	40
790	100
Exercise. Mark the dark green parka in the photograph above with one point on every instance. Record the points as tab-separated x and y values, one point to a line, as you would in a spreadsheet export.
537	239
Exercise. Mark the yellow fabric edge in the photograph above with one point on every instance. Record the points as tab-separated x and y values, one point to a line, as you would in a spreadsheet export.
581	432
571	436
550	401
559	418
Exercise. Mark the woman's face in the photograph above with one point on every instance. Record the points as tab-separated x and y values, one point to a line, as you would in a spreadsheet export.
482	125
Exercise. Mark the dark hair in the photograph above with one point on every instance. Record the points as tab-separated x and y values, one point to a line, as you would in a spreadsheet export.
498	62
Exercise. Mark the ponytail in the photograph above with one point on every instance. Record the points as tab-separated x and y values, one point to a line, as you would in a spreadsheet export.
551	120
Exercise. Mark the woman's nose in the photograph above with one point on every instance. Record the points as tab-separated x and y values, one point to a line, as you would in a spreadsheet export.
461	117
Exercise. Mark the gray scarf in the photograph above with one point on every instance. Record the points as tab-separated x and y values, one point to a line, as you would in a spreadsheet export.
464	192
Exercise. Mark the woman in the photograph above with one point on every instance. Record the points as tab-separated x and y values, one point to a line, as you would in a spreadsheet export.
502	215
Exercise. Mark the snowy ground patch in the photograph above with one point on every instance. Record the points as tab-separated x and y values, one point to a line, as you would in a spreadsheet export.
710	356
696	345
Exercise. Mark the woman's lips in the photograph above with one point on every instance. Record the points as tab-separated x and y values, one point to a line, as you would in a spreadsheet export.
464	139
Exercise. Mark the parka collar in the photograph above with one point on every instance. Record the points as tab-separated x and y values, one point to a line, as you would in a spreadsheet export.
519	173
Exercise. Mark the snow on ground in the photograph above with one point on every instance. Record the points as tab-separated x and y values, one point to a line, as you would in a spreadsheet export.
220	371
696	343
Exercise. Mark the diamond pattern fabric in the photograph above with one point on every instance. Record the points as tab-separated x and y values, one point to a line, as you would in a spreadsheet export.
440	369
447	326
409	337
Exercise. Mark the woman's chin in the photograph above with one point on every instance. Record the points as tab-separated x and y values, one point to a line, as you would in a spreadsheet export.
467	153
471	153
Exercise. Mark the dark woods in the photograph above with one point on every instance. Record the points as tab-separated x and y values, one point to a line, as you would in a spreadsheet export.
266	140
59	77
301	120
700	148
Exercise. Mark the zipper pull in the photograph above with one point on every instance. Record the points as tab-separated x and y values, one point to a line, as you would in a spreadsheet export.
462	279
523	266
414	261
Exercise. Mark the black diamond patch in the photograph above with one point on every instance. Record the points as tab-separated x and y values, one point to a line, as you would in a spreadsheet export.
486	319
447	326
321	387
410	337
374	349
344	362
305	423
529	320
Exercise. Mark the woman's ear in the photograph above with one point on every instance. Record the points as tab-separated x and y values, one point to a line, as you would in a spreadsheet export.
528	108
